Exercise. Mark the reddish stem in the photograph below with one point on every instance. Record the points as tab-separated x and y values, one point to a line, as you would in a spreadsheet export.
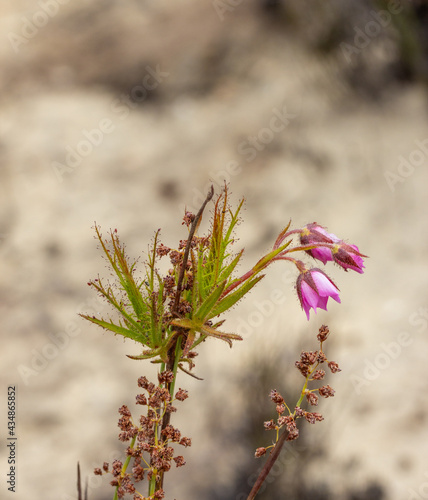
172	350
244	277
282	237
268	465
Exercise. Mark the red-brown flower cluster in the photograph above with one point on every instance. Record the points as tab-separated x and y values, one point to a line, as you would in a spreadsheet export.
308	365
146	437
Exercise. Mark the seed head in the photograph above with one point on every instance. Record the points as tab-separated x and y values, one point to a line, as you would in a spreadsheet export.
179	461
260	452
318	375
334	367
276	397
312	398
270	425
313	417
323	333
326	391
181	394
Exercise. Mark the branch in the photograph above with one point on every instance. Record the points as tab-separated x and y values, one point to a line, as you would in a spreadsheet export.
173	356
193	228
268	465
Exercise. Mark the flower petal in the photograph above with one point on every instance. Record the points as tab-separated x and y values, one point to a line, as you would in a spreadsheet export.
325	286
347	259
321	230
321	253
322	303
309	295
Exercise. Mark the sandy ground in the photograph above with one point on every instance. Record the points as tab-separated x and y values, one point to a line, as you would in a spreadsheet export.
354	164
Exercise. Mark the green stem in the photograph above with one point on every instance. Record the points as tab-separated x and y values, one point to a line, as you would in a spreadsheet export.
152	485
178	352
125	466
302	395
157	484
175	351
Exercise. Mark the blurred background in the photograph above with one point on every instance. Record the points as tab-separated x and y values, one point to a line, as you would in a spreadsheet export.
124	113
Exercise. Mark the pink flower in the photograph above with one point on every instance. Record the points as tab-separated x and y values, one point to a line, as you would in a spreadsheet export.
348	257
314	288
312	234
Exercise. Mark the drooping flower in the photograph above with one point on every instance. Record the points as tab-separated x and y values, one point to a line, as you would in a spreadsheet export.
346	256
314	288
312	234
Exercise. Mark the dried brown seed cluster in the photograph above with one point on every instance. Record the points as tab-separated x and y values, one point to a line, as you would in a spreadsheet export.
276	397
323	333
162	250
176	257
181	395
334	367
326	391
146	437
308	365
188	218
287	421
312	398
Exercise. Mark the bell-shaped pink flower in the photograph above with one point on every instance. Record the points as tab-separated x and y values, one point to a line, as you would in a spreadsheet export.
312	234
314	288
348	257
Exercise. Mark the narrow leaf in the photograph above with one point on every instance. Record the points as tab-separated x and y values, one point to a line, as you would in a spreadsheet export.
190	324
119	330
205	308
147	354
108	294
226	337
227	271
230	300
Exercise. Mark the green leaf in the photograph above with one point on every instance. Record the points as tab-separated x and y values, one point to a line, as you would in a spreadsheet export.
227	337
233	222
230	300
282	233
157	314
118	330
124	273
205	308
190	324
151	353
205	331
227	271
141	326
267	259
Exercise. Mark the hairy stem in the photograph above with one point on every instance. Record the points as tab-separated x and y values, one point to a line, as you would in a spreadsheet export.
175	350
193	228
